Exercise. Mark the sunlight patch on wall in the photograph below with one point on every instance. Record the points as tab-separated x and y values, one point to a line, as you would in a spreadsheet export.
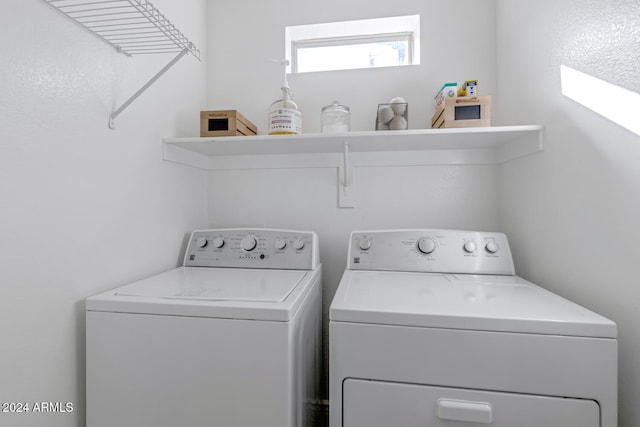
617	104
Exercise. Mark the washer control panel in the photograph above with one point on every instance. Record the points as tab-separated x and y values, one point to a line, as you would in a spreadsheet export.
253	248
431	250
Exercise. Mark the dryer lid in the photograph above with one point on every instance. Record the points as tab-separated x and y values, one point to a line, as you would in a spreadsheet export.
218	284
470	302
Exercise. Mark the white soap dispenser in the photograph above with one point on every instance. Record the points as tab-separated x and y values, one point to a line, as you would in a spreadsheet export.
284	116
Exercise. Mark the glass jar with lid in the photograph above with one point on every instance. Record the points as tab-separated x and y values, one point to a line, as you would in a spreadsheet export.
335	118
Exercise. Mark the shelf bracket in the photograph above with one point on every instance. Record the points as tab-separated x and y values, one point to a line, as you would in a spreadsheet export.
345	180
117	111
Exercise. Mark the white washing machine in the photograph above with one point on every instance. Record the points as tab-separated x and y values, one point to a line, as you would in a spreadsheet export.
230	339
433	328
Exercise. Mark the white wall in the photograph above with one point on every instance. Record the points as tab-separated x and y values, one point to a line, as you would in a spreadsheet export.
241	77
572	211
83	208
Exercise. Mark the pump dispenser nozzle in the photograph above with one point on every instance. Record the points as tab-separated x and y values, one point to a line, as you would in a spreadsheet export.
285	63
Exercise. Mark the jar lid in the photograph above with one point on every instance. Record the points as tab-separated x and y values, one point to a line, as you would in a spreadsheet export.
336	106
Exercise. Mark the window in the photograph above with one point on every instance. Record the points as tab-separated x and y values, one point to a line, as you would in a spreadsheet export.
370	43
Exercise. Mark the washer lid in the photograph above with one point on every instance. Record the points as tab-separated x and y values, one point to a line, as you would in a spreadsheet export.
471	302
218	285
228	293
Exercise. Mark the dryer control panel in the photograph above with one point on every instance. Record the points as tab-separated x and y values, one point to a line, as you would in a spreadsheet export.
431	250
253	248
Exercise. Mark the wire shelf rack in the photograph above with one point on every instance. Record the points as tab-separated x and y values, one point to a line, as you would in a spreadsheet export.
133	27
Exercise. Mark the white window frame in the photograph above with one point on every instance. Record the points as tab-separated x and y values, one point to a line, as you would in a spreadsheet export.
346	33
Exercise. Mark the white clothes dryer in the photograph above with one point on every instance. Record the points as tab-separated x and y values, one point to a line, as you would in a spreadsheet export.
433	328
230	339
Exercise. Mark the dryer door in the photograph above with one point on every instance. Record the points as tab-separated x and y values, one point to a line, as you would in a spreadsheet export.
383	404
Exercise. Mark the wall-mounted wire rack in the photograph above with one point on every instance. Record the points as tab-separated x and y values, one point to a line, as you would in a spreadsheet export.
133	27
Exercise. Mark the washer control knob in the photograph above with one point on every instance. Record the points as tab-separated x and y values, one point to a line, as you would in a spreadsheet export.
218	242
426	245
248	243
491	247
298	244
280	244
365	244
470	247
201	242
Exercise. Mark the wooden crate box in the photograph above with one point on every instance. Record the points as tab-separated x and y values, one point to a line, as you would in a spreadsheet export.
225	123
463	112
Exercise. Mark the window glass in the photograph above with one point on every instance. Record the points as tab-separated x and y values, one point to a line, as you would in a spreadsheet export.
371	43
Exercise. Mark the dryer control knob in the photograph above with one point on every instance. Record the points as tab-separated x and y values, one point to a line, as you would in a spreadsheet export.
218	242
201	242
426	245
365	244
248	243
298	245
491	247
470	247
280	244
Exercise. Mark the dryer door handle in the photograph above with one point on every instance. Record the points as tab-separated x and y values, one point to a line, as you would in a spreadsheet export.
458	410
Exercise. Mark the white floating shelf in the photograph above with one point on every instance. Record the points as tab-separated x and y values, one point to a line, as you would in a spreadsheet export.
486	145
347	151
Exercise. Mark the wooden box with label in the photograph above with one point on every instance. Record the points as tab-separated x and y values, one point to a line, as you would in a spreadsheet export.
225	123
463	112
